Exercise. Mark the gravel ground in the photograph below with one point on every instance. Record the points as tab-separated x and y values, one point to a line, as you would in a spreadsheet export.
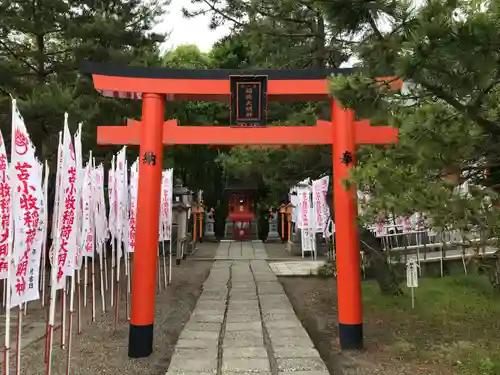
101	350
314	301
205	250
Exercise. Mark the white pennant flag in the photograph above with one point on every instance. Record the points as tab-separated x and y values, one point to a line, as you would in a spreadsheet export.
167	188
66	233
134	179
55	213
79	202
102	232
121	196
27	213
305	218
5	210
161	221
112	199
88	214
321	210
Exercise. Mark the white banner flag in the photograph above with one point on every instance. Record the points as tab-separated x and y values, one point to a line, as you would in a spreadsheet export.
5	210
112	199
27	213
121	196
134	179
305	217
79	202
66	239
321	210
87	216
167	203
101	224
55	213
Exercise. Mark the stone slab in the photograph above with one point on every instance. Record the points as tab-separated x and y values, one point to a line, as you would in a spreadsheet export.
243	297
197	326
300	364
237	339
219	318
278	317
242	318
188	334
304	373
208	312
254	310
245	352
211	305
244	304
246	365
212	297
283	324
295	352
247	326
237	285
196	343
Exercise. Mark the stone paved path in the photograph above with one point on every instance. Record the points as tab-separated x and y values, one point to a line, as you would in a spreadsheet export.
296	268
244	323
241	250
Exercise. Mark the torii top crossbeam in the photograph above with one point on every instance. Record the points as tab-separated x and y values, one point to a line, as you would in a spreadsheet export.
209	84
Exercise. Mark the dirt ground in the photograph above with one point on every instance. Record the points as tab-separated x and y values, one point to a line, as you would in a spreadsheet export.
451	330
101	350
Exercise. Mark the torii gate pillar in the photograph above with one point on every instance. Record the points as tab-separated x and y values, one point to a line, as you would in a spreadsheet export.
347	252
148	206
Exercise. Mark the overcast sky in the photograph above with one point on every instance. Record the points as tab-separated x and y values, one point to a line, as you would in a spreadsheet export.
189	31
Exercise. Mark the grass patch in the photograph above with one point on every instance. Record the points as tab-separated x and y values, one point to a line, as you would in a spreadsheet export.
455	322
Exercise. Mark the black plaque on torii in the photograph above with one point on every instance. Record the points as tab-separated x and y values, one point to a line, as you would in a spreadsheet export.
248	101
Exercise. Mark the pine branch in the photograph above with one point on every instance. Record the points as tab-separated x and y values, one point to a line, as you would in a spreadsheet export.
479	99
229	18
213	8
17	57
489	126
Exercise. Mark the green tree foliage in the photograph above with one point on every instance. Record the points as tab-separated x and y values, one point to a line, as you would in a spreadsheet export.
447	116
277	33
448	52
42	45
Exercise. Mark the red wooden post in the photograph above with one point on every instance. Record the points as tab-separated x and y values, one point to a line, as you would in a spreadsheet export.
148	206
347	242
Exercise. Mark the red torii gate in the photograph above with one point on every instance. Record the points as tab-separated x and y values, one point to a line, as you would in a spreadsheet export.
154	86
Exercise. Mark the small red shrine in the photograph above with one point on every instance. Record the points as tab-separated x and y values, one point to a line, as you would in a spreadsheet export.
240	221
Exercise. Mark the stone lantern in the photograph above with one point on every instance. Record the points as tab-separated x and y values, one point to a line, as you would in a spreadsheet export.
180	215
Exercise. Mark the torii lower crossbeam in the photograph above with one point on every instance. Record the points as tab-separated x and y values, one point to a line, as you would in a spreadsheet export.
173	134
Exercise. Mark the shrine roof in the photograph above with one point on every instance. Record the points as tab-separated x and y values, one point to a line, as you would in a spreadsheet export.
207	84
